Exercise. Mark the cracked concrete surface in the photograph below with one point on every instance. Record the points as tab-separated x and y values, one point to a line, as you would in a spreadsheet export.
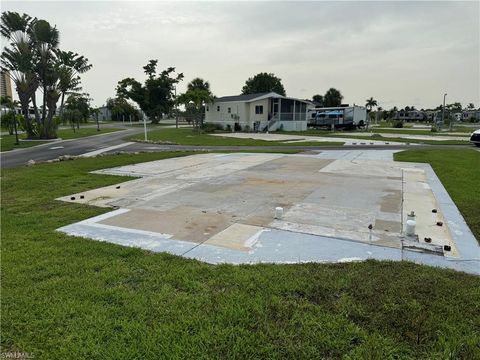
220	208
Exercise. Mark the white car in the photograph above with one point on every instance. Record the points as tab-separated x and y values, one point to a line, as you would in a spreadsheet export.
475	137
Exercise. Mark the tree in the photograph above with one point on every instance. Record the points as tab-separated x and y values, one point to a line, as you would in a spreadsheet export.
70	65
155	97
120	108
194	101
332	98
318	99
263	83
471	106
370	104
34	62
199	83
79	106
17	61
10	117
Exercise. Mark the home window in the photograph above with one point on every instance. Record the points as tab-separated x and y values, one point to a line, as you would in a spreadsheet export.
229	110
218	108
259	109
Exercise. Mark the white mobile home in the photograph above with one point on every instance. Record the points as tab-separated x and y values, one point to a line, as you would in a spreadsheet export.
258	112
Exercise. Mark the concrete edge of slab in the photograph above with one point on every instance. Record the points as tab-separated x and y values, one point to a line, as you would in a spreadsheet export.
466	243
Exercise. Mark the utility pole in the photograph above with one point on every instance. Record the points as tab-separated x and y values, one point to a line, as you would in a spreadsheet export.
145	126
443	108
176	109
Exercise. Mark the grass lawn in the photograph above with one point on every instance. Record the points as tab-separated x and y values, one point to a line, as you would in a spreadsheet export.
69	298
415	132
459	171
188	137
340	133
8	141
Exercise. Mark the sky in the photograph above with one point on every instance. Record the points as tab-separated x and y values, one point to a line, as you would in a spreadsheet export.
399	53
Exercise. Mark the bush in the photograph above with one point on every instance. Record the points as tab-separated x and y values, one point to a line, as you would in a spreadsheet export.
237	127
398	124
433	129
211	128
246	128
228	128
280	128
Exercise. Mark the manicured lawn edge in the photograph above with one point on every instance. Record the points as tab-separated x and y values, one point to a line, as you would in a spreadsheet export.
459	172
68	297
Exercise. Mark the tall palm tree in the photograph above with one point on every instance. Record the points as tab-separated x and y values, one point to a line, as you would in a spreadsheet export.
371	103
70	65
198	83
195	100
17	61
45	40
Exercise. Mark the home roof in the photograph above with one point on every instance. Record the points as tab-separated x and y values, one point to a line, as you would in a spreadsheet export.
258	96
248	97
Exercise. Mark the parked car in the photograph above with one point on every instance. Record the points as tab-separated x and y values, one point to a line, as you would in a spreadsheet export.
475	138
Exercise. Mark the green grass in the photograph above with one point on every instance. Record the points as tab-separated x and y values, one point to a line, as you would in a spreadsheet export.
70	298
8	141
66	134
187	137
413	132
459	171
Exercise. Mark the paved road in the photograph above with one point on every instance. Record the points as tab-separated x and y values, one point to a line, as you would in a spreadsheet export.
55	149
97	143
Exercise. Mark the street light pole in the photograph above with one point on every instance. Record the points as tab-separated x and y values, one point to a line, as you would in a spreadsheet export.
176	109
443	108
145	126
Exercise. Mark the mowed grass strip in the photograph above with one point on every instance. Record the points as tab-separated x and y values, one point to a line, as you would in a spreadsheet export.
68	298
186	136
8	141
459	171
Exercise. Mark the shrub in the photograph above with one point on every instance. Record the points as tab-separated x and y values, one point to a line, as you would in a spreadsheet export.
280	128
398	124
228	128
246	128
237	127
211	128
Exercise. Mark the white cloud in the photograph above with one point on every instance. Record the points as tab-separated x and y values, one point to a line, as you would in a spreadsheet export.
401	53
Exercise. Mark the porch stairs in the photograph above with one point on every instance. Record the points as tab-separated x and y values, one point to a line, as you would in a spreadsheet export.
274	120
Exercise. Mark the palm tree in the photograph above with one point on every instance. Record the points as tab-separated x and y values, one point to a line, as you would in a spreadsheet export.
195	100
198	83
70	65
17	61
45	40
332	98
370	104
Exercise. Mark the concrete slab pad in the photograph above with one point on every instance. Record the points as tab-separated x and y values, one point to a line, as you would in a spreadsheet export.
220	208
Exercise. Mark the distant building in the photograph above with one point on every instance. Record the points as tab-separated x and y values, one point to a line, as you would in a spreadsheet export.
104	113
5	85
258	112
473	114
411	115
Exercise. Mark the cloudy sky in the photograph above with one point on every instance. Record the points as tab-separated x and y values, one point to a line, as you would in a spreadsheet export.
401	53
